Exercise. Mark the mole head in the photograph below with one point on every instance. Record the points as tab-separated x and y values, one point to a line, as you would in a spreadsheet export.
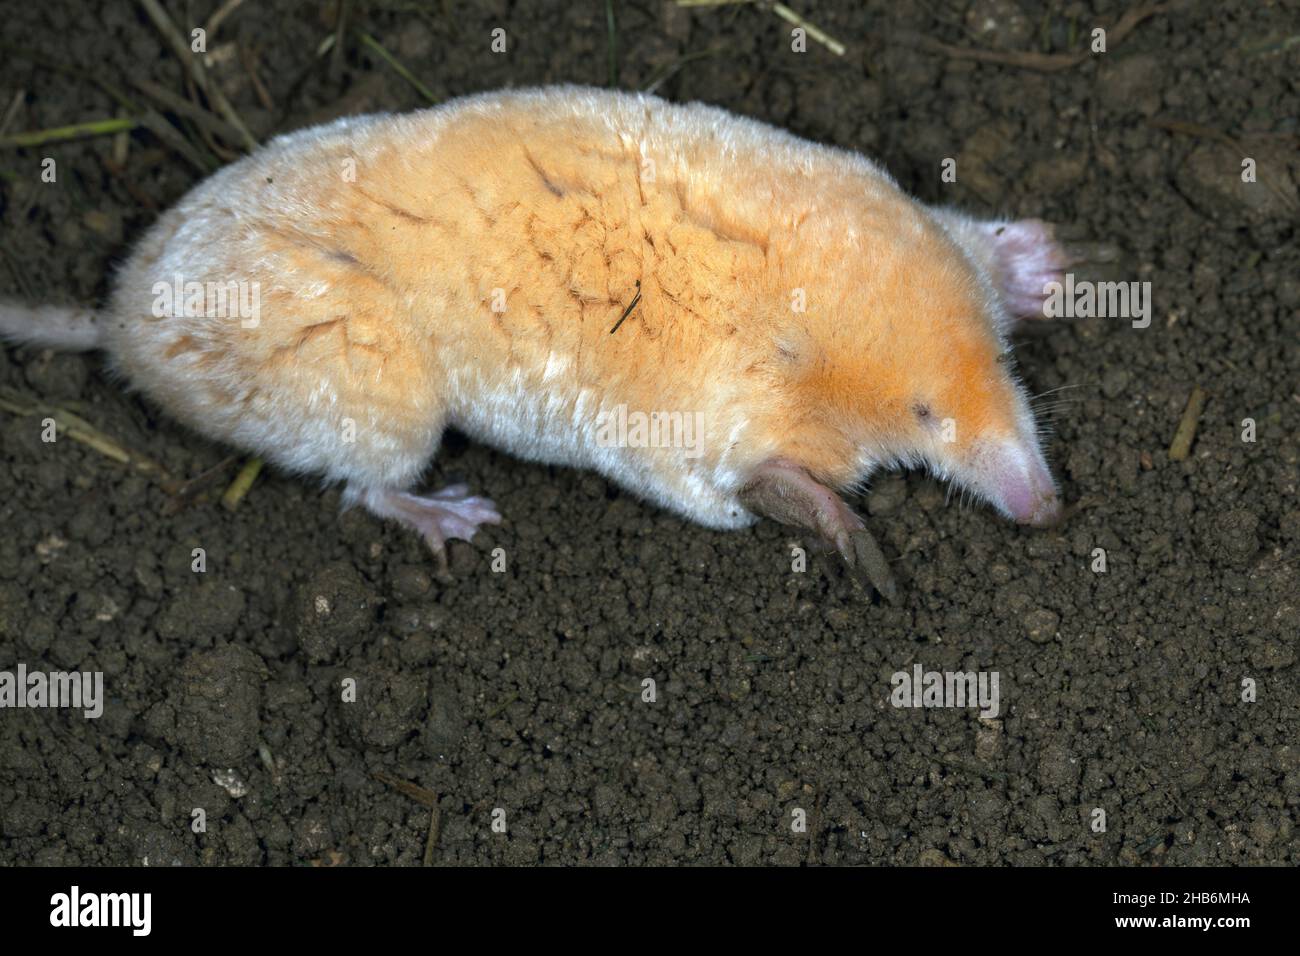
922	376
965	417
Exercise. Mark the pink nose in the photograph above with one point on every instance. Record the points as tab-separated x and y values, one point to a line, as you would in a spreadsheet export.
1021	485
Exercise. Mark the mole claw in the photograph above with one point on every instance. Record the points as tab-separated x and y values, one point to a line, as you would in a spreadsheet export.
441	571
868	565
786	493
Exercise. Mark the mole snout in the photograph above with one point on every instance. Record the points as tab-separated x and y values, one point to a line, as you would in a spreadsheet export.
1019	483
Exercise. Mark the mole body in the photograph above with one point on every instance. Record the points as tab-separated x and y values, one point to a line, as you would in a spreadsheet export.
337	299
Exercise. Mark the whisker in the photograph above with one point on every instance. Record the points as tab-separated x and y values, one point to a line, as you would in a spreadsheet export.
1059	388
1050	412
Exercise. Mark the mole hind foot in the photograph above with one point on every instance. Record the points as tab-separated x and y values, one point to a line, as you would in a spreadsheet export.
450	513
784	492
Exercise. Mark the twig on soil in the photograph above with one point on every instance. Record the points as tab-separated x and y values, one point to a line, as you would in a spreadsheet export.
1194	129
815	826
215	21
499	708
249	60
1269	44
825	39
243	481
194	67
785	13
413	790
435	830
154	122
191	485
1043	62
80	430
121	144
150	120
340	32
671	70
183	107
181	492
199	135
611	46
401	71
59	134
14	106
1181	446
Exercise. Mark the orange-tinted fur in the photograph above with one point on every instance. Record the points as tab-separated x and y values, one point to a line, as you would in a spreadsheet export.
566	231
465	266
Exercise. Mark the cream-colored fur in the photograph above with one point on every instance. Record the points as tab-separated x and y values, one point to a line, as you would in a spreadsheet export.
464	266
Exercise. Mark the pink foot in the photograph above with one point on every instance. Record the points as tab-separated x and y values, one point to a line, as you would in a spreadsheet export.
450	513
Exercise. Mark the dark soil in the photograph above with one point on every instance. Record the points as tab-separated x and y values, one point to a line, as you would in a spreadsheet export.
522	691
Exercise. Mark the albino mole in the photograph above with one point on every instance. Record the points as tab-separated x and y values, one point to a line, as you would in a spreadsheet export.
338	298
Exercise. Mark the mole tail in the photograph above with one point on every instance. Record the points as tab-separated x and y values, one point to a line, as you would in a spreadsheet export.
67	328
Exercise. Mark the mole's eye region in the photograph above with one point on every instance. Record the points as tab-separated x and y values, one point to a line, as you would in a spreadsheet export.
922	412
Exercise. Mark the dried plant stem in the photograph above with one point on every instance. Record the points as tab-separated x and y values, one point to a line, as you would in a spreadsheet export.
59	134
785	13
234	494
183	107
81	431
1181	446
1044	62
194	67
821	36
401	71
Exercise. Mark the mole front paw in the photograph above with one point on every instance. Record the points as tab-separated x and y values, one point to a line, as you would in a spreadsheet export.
785	492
